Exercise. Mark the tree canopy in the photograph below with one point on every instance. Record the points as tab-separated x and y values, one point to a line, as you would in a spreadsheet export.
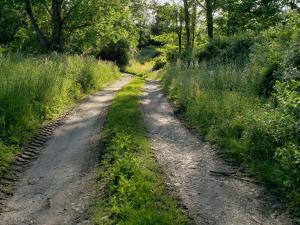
87	26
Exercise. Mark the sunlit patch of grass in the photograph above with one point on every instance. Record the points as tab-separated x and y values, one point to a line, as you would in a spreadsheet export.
143	62
139	69
154	75
134	190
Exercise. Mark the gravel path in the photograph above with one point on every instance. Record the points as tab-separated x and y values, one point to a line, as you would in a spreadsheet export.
55	189
187	162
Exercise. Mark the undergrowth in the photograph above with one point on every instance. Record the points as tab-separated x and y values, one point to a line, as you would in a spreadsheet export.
243	93
220	103
33	90
135	193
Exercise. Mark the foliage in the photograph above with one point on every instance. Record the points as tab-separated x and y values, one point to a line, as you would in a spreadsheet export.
143	61
160	62
249	104
36	89
8	15
238	16
135	189
227	48
117	52
223	105
164	22
85	26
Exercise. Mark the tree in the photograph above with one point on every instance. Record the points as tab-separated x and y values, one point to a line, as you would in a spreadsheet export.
187	25
10	21
255	15
193	24
179	22
209	19
61	19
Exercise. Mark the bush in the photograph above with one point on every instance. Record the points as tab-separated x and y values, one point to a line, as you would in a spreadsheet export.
118	52
172	55
226	48
160	62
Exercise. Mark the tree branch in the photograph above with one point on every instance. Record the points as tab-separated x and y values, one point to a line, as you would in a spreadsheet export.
48	10
70	28
70	11
43	41
200	4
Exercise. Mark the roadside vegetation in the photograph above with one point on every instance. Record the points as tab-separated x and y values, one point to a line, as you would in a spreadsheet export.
242	93
33	90
134	191
232	69
147	61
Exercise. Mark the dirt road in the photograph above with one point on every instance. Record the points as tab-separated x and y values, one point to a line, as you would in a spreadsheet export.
55	189
187	162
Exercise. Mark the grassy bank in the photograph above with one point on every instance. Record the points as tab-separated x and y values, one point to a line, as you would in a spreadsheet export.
220	101
33	90
134	192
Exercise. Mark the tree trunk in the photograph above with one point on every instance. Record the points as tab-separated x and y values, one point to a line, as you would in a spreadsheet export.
187	25
194	17
57	25
209	19
41	37
179	29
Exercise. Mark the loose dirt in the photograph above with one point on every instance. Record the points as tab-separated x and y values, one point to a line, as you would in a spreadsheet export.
55	189
187	162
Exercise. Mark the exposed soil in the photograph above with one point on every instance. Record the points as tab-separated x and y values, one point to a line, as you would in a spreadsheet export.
56	188
187	162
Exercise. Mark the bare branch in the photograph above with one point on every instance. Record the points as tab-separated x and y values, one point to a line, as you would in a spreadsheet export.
70	28
200	4
43	40
48	10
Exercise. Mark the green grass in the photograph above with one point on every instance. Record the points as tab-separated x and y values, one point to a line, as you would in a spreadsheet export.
220	101
134	193
33	90
139	69
143	62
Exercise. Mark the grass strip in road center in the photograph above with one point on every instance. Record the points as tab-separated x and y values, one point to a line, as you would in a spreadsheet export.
134	191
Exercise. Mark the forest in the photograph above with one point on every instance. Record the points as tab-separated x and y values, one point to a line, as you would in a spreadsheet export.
230	74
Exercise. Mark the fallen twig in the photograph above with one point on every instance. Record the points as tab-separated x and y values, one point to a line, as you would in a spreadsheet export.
233	175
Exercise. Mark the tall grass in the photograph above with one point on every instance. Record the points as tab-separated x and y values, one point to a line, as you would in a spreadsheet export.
139	69
36	89
221	102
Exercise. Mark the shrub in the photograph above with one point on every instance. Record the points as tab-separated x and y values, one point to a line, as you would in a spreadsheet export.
226	48
172	55
160	62
147	54
118	52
